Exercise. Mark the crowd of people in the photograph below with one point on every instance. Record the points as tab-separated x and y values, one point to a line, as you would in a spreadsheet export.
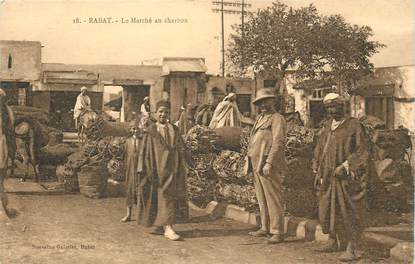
156	161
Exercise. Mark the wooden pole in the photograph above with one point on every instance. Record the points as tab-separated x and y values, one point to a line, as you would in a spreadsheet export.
223	41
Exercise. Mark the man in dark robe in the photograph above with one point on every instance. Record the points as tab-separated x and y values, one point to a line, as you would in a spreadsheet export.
162	190
341	170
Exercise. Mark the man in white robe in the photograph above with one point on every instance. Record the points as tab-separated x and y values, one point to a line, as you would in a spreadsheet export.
226	113
83	102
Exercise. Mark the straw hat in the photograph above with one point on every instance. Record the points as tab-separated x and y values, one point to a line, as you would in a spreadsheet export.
264	94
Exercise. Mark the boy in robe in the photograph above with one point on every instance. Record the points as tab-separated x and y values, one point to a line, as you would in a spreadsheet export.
162	189
133	156
341	177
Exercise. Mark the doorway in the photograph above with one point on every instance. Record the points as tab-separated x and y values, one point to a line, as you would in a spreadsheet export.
17	92
317	113
133	97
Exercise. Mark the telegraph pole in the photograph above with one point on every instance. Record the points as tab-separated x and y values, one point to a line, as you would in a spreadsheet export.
243	38
229	10
223	41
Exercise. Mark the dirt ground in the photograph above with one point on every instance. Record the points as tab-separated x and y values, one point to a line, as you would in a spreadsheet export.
74	229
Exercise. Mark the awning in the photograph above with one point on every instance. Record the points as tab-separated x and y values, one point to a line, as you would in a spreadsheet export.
375	90
127	82
70	77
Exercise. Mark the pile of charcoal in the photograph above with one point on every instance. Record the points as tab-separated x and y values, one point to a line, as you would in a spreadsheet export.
201	180
95	131
107	152
233	185
219	172
392	181
300	140
199	140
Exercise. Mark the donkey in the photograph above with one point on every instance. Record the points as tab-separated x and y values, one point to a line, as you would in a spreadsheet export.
85	120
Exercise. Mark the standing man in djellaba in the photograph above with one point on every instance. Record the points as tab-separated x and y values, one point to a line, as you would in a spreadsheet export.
266	160
162	178
341	176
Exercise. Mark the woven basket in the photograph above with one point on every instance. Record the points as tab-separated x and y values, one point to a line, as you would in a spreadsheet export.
93	181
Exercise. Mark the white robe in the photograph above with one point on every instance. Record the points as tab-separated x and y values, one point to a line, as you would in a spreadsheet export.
226	114
82	102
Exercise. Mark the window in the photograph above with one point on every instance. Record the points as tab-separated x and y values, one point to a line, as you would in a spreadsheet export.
321	92
217	95
244	103
270	83
382	108
9	62
21	97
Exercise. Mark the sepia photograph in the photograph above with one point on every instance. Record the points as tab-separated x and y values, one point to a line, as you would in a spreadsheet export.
207	131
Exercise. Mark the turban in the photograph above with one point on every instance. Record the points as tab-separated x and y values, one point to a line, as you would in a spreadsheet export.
162	104
333	98
84	88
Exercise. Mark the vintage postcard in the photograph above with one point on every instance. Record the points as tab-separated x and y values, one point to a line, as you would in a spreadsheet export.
207	131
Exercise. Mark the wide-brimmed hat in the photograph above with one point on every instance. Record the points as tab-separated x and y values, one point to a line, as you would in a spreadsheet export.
264	94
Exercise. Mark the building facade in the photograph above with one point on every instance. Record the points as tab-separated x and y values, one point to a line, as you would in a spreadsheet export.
20	69
388	94
61	85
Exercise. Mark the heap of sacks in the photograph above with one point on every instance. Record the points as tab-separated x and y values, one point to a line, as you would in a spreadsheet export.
107	152
218	174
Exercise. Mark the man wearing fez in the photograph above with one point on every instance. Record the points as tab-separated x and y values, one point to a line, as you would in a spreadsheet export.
162	190
341	175
266	160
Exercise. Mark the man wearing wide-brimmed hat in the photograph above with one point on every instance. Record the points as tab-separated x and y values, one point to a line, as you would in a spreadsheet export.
266	160
341	176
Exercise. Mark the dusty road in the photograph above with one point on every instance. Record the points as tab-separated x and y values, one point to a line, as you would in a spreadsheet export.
73	229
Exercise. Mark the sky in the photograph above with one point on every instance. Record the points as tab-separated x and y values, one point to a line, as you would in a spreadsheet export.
197	34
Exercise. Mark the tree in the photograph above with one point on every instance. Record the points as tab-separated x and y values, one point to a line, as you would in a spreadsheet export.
280	38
